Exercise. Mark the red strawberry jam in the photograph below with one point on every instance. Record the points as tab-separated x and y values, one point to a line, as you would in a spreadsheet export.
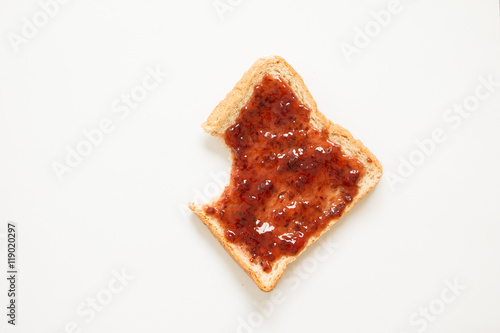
288	180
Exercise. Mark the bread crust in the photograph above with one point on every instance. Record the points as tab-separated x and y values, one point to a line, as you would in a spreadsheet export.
224	116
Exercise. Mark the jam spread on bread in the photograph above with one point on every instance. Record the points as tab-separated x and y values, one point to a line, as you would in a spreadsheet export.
288	180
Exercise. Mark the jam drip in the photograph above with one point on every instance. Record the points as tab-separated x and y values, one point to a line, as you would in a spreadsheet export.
288	180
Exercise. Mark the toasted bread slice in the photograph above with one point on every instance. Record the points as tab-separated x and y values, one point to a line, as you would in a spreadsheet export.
224	116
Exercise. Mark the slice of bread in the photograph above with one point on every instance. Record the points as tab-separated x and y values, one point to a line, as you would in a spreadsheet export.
224	116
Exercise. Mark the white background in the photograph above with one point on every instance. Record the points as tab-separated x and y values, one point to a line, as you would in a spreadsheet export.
123	207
